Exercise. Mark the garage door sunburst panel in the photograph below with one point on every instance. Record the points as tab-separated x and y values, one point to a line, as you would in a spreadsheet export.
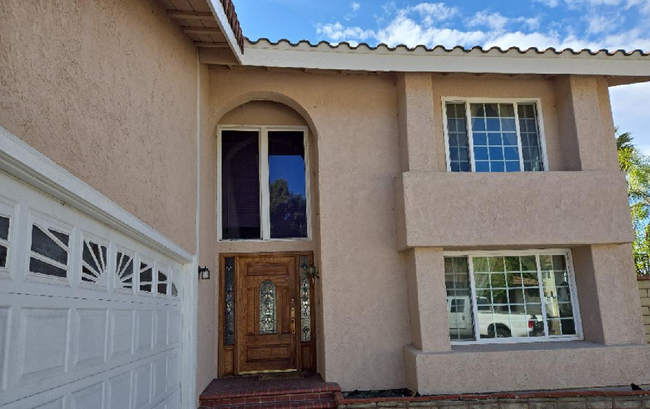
124	270
94	258
49	251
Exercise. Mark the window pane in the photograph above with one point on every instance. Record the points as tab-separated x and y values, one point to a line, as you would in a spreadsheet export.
459	299
124	270
530	143
510	300
240	184
162	282
458	143
497	150
3	256
93	262
557	295
288	191
146	277
4	228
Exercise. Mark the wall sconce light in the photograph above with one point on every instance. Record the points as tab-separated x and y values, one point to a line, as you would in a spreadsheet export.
204	273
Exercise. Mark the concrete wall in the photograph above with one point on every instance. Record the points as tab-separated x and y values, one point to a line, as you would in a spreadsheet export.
107	89
644	294
354	124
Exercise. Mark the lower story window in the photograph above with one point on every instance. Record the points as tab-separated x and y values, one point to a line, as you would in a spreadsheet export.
522	295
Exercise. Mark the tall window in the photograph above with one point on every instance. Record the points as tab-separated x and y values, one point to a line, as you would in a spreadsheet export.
523	295
264	183
493	136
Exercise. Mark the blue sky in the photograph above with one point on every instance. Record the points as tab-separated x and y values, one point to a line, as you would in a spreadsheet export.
577	24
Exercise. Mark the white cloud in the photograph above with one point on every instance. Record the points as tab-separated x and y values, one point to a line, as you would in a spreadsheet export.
531	23
355	6
432	12
643	5
548	3
339	32
429	24
597	24
494	21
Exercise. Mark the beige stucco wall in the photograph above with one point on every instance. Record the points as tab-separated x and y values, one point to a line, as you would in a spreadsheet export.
354	124
208	294
490	210
107	89
525	367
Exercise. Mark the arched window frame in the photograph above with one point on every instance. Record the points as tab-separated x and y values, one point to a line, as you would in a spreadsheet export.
265	217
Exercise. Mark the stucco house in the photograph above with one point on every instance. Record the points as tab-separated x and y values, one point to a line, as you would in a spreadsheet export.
180	204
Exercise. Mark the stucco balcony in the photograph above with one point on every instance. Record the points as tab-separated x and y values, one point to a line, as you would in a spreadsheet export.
528	209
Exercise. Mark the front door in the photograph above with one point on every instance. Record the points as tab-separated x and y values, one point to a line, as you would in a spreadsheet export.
266	319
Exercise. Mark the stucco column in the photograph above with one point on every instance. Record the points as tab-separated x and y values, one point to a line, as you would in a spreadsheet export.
425	275
417	145
586	126
607	292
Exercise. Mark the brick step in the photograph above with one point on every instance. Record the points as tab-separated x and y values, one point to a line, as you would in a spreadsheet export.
272	399
281	402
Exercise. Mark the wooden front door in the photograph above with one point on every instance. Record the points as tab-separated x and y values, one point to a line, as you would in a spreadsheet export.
268	314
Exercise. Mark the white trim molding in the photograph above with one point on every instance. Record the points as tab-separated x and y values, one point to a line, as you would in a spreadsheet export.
222	20
26	164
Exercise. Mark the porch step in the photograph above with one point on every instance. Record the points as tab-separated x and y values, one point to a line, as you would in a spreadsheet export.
306	391
288	402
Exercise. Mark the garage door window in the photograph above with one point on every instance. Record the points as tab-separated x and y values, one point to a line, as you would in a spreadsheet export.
4	240
49	251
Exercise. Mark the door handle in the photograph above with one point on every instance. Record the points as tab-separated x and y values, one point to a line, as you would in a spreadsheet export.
293	316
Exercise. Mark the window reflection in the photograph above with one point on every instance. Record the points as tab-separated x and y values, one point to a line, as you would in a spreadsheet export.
240	185
287	185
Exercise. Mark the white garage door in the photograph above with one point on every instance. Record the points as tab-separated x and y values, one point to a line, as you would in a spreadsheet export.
89	318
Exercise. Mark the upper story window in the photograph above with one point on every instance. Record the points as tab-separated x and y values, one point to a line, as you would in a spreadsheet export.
501	136
263	183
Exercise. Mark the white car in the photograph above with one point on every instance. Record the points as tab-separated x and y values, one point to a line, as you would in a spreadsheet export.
492	324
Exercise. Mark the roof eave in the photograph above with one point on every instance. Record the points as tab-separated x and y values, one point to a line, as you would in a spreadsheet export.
263	53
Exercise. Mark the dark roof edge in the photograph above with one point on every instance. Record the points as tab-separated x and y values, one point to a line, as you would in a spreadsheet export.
233	21
530	50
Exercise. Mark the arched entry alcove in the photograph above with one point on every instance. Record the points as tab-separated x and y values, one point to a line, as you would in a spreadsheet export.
268	237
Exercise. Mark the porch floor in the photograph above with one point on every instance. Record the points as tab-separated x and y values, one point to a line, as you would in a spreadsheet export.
281	391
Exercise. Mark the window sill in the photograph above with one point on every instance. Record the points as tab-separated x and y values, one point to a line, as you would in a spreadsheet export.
526	346
262	240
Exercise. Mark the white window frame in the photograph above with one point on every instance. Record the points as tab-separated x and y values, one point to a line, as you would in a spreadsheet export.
505	253
263	143
470	135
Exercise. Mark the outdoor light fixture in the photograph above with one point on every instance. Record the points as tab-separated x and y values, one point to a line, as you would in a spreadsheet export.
204	273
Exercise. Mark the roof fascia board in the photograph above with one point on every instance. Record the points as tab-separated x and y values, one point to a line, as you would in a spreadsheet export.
224	25
372	60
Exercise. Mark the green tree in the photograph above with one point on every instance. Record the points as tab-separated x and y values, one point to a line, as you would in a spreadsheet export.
288	211
637	172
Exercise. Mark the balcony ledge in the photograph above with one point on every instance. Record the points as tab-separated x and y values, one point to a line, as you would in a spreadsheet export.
511	210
